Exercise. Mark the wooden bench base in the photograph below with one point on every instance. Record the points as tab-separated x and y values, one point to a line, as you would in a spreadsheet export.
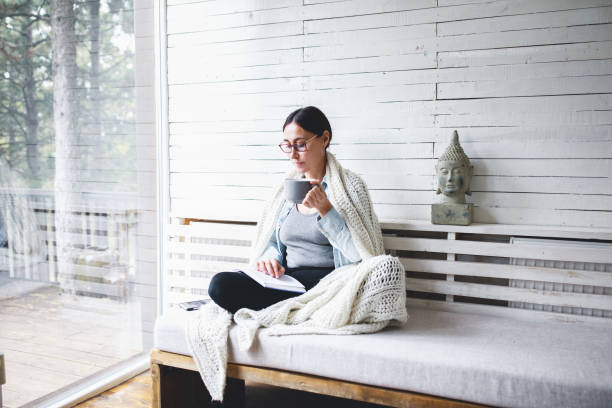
171	371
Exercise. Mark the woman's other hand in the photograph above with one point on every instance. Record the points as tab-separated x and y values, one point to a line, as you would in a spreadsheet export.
316	198
271	267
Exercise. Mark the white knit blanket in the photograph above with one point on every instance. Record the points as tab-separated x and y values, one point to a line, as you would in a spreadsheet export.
357	298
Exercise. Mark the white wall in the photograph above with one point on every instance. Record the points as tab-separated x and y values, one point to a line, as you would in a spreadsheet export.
528	85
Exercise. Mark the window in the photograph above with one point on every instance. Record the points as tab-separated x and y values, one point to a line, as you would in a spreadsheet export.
77	197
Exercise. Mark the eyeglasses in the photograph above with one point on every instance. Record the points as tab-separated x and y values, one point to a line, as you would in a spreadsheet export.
300	146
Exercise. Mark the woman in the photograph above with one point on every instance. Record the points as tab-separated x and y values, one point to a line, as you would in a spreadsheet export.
332	243
310	239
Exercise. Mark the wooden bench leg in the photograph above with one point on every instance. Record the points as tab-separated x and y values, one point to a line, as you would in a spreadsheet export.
178	388
156	382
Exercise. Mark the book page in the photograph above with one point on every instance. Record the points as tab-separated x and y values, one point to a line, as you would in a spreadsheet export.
284	282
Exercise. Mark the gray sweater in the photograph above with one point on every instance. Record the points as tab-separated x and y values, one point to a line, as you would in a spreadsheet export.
306	246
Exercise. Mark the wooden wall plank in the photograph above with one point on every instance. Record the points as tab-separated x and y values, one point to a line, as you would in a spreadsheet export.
391	181
523	87
564	18
269	132
462	10
551	184
353	151
533	150
527	55
179	73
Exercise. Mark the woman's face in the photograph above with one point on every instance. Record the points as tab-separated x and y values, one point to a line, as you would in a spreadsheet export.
313	159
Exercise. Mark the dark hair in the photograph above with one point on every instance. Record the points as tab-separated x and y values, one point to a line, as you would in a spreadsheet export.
310	119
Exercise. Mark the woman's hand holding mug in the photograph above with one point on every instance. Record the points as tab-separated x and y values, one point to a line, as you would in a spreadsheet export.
271	267
316	198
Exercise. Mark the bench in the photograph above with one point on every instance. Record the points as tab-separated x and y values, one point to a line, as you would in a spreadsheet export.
500	315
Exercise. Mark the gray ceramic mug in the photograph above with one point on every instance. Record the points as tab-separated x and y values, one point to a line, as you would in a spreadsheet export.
296	189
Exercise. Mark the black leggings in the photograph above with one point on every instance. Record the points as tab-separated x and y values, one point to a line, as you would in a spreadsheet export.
235	290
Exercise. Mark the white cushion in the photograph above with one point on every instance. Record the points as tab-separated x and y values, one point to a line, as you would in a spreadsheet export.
478	358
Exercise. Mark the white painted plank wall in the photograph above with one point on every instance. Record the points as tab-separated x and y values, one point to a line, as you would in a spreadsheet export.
528	85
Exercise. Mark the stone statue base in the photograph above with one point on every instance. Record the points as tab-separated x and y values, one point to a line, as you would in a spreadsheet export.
451	214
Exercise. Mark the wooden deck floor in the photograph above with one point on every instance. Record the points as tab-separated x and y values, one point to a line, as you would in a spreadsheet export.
50	340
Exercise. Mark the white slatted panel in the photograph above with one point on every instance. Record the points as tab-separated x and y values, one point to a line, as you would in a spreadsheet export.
197	251
449	267
575	268
528	85
489	266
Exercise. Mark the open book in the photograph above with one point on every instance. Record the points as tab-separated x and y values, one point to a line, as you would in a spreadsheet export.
285	282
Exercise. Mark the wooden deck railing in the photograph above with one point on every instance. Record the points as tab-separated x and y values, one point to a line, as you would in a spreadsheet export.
103	240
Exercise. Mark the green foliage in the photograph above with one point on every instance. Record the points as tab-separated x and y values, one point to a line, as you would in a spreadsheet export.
106	94
25	55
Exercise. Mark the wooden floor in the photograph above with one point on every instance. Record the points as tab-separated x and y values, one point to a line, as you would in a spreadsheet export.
137	393
50	340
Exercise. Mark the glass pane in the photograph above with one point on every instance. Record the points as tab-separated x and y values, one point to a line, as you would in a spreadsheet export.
77	270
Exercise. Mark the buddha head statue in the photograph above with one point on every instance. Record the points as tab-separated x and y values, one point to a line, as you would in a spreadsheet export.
454	173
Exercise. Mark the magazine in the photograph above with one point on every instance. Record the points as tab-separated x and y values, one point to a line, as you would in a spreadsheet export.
285	282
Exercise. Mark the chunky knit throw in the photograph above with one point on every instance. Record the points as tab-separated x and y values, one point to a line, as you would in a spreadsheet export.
357	298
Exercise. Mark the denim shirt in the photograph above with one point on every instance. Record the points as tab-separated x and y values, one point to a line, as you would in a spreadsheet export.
331	225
